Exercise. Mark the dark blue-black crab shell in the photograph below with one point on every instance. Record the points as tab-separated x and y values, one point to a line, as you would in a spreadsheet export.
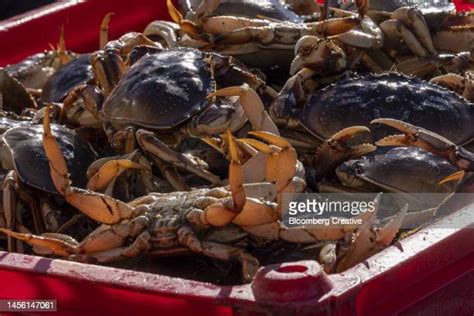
69	76
359	100
31	163
161	90
407	169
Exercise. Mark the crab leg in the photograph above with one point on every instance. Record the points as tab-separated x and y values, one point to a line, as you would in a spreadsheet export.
97	206
92	99
241	30
236	174
170	174
461	85
414	19
103	239
252	105
242	210
219	251
287	158
429	141
235	30
395	31
369	241
109	171
102	173
164	32
9	205
320	55
104	30
156	147
367	36
57	246
64	57
109	66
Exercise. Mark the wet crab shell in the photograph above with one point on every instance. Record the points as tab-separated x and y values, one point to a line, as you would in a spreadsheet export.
425	5
29	158
406	169
63	81
162	90
359	100
273	9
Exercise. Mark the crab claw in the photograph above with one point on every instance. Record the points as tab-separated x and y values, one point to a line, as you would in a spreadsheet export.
318	54
429	141
252	105
457	176
335	150
186	26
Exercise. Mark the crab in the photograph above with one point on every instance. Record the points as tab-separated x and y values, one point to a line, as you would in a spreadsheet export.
410	170
182	222
425	26
405	38
179	83
342	166
459	157
358	100
268	9
34	71
30	184
76	83
70	84
158	223
265	44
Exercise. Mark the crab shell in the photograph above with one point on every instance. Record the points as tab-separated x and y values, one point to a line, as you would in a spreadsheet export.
63	81
406	169
33	72
162	90
14	96
23	146
165	90
272	9
359	100
424	5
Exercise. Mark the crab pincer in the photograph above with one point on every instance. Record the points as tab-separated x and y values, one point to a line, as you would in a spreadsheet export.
427	140
336	150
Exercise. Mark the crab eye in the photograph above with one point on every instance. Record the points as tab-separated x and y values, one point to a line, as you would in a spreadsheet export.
306	50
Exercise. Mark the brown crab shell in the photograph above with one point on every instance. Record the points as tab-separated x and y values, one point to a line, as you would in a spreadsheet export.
161	90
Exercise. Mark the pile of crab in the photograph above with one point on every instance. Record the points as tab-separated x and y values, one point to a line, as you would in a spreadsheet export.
191	137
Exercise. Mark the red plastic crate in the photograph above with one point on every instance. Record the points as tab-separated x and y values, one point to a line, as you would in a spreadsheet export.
33	31
431	272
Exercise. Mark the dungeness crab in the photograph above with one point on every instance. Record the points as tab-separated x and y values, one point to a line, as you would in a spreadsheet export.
172	223
360	99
